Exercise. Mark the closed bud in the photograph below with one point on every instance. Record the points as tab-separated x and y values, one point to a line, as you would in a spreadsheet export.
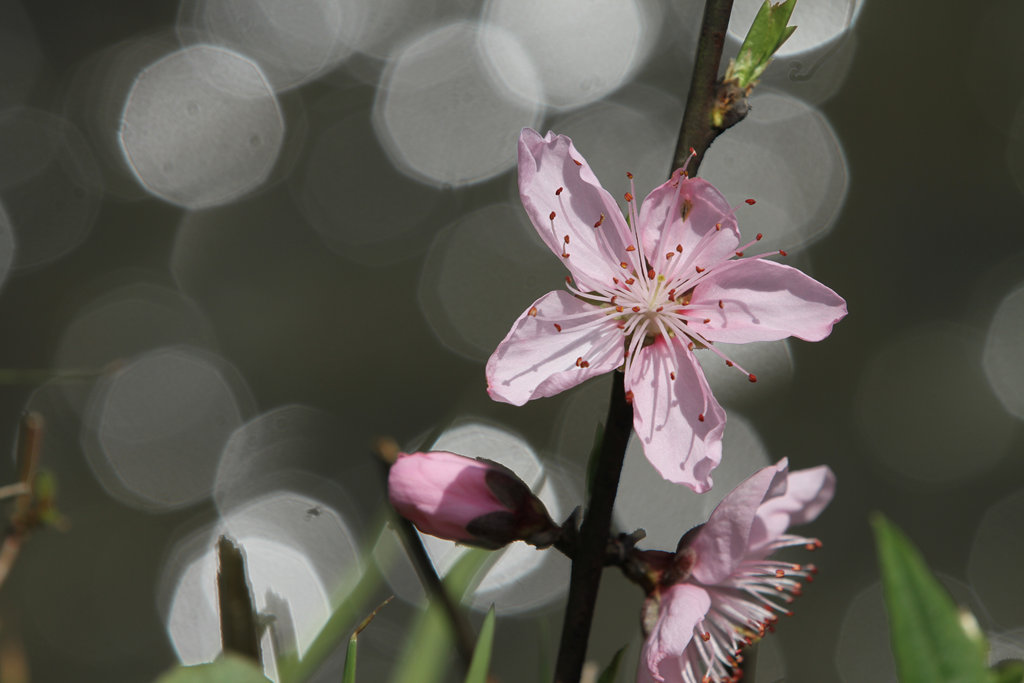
472	501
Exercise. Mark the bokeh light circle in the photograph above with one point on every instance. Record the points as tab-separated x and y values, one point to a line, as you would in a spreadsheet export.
292	41
583	49
445	115
788	158
154	429
1003	358
201	127
926	377
49	184
122	321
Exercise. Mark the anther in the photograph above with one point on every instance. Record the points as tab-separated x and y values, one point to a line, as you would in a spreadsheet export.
650	273
579	359
628	197
559	191
701	417
729	363
752	377
782	253
614	298
720	304
551	215
623	264
672	375
585	364
630	280
679	248
619	309
699	269
558	327
669	255
751	202
707	320
780	573
532	312
599	221
631	248
577	162
690	346
739	254
759	236
705	636
659	309
629	175
568	279
566	238
615	280
636	309
629	397
718	226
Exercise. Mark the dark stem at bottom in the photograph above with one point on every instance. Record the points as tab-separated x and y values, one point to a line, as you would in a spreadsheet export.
590	553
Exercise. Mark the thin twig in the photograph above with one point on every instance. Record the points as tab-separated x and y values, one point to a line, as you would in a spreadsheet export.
589	562
386	451
30	446
697	131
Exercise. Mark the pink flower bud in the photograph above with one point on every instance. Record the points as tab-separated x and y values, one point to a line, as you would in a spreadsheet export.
476	502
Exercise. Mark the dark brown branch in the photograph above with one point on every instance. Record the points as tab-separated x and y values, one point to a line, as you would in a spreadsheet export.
592	549
698	131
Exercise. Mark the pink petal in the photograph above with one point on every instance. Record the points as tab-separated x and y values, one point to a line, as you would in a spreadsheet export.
682	607
724	541
552	162
763	301
807	493
708	236
537	359
682	446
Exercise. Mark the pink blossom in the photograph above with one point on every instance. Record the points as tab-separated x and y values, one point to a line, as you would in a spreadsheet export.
472	501
644	294
719	592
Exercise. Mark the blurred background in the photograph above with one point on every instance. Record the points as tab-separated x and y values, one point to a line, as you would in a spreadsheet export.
240	238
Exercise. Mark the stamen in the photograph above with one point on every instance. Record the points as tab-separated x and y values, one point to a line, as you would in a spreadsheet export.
532	312
751	202
559	191
599	221
558	327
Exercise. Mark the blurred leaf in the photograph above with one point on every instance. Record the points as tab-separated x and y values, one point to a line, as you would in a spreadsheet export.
929	640
766	35
613	667
350	660
427	650
482	652
1010	671
230	668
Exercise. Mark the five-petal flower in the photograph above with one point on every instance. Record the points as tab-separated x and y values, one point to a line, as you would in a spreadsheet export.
645	294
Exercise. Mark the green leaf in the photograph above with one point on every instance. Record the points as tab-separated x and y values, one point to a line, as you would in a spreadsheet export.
425	656
929	638
482	652
613	667
766	35
229	668
1010	671
350	660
